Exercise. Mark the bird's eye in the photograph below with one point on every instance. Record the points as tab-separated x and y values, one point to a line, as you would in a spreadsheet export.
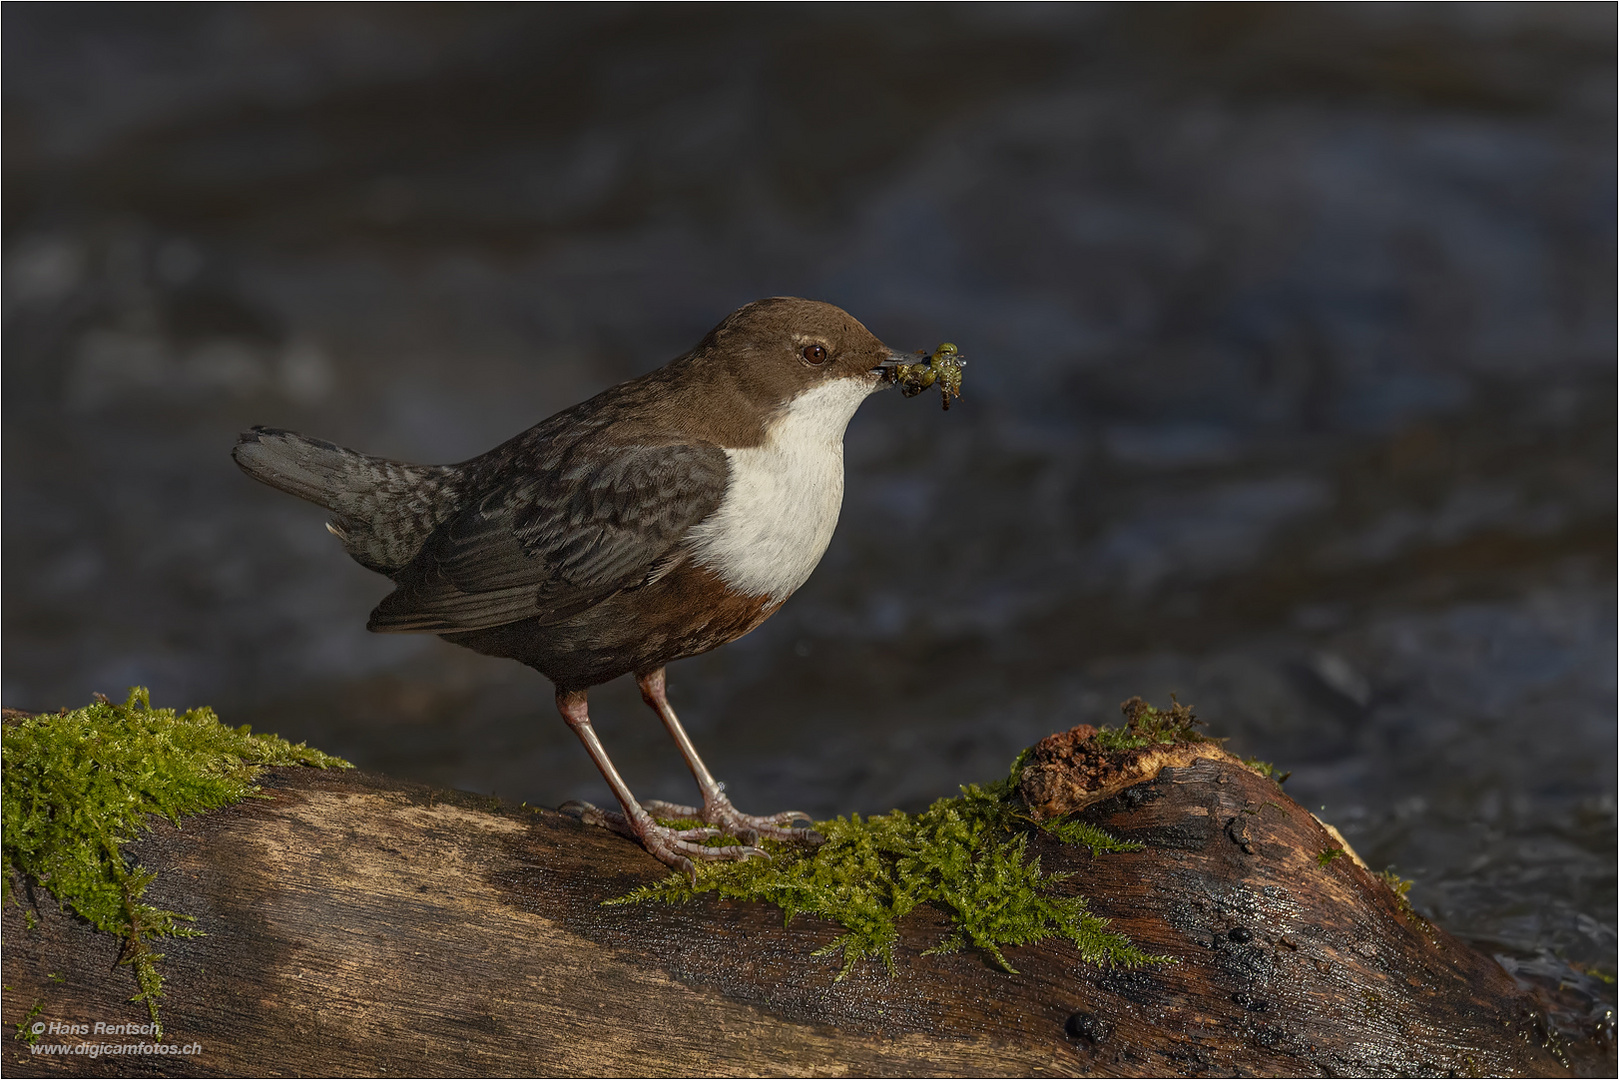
814	354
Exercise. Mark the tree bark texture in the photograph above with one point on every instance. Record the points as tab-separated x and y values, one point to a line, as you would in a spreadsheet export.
356	925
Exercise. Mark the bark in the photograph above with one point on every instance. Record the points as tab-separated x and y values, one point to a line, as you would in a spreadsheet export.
356	925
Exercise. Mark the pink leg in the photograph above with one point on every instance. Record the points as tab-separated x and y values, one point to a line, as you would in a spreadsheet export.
677	847
716	808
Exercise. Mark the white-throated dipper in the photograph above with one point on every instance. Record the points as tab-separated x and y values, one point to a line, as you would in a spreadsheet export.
664	517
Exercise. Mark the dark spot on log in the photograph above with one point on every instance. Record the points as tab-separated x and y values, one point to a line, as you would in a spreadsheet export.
1245	965
1251	1003
1122	815
1240	935
1137	987
1133	797
1088	1026
1268	1037
1192	1061
1192	834
1237	830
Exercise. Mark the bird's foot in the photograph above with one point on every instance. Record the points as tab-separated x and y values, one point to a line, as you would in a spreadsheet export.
718	811
676	847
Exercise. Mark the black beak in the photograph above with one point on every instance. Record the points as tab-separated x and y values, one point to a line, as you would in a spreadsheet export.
895	358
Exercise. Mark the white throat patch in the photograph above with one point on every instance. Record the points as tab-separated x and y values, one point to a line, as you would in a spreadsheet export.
782	499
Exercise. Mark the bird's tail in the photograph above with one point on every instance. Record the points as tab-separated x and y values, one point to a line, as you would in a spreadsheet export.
383	511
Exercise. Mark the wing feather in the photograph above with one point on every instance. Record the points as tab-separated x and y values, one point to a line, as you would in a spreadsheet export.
552	545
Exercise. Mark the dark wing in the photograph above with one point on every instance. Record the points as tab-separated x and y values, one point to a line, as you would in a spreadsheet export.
552	545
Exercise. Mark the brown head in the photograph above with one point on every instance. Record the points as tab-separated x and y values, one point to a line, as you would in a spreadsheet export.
772	350
747	371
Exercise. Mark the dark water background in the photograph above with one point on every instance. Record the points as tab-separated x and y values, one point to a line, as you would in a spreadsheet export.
1292	388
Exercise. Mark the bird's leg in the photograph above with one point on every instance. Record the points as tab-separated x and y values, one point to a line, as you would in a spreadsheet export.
716	808
677	847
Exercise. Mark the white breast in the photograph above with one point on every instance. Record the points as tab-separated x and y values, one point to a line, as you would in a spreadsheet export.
782	499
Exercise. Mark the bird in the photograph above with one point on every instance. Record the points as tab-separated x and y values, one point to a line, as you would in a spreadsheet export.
662	518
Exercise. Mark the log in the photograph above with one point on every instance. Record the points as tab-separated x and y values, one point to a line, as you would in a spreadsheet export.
358	925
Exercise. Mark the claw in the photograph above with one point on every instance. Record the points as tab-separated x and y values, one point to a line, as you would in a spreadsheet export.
676	847
745	827
660	809
787	817
591	814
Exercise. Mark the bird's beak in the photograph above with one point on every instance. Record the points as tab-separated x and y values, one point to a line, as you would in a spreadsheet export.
894	359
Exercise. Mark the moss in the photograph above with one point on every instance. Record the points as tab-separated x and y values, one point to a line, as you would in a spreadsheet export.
1400	887
1325	858
25	1029
79	785
1267	770
1084	834
1146	726
968	856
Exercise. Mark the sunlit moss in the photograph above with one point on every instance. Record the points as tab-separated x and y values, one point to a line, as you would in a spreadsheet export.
1148	726
1084	834
967	856
1267	770
79	785
1400	887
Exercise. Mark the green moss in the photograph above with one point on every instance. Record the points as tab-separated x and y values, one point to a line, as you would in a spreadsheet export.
1267	770
968	856
79	785
25	1029
1325	858
1084	834
1146	726
1400	887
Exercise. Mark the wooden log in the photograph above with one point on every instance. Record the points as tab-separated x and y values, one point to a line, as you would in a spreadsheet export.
357	925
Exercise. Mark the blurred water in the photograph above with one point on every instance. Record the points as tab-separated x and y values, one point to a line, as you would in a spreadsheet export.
1292	387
